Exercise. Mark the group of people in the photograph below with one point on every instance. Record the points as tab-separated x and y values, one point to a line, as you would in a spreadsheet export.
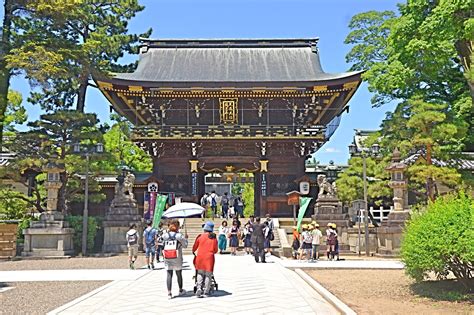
307	243
248	234
170	242
230	206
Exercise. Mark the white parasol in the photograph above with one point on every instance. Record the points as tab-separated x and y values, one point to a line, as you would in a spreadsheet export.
183	210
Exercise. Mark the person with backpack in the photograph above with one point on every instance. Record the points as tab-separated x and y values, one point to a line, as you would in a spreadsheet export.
239	206
212	201
204	248
306	243
174	242
159	241
132	245
204	203
296	243
149	244
225	206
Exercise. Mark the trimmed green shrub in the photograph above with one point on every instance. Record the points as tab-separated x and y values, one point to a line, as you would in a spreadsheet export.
440	239
75	221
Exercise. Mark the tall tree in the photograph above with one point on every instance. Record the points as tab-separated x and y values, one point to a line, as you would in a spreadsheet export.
64	44
420	58
50	139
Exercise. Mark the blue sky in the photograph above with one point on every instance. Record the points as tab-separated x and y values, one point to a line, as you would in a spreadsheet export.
326	19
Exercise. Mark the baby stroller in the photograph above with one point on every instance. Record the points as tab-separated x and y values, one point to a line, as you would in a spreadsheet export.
214	285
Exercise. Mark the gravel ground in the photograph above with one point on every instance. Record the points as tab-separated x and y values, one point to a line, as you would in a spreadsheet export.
383	292
114	262
42	297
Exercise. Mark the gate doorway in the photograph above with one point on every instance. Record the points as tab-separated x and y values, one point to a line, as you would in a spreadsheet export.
235	185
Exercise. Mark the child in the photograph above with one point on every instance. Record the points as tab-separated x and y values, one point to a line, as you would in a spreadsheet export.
132	245
331	239
222	241
306	242
234	237
247	235
296	242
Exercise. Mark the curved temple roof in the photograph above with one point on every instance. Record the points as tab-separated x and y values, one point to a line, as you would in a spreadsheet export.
230	60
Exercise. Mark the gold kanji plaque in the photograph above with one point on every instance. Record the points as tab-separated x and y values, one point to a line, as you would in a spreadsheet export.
228	110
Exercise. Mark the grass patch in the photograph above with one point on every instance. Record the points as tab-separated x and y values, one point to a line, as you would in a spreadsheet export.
445	290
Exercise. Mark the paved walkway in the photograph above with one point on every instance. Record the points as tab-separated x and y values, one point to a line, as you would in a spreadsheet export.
244	287
344	264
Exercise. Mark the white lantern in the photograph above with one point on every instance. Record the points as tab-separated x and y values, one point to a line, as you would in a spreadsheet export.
304	188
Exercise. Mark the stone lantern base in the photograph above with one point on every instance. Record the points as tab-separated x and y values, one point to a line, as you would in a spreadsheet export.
122	213
50	236
389	235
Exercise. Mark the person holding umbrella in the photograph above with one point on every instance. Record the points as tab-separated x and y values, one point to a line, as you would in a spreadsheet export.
205	247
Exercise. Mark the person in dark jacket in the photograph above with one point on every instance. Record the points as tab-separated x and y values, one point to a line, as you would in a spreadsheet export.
258	239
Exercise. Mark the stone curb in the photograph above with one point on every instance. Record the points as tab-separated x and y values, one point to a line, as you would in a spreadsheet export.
328	296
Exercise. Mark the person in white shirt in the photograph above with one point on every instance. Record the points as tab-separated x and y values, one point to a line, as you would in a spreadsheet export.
317	235
132	245
212	200
222	238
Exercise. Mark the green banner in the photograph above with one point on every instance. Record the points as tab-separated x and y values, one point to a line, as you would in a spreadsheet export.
304	203
159	209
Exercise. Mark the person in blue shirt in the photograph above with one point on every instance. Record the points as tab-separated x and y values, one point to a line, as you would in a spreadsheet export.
149	243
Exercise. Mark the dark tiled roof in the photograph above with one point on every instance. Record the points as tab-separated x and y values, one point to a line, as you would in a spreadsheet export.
464	163
258	60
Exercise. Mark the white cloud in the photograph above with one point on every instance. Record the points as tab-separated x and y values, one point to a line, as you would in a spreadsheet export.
332	150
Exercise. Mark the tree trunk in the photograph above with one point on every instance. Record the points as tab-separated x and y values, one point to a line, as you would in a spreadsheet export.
81	95
4	71
464	49
429	180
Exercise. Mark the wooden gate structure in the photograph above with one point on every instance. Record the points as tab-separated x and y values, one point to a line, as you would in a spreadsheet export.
258	105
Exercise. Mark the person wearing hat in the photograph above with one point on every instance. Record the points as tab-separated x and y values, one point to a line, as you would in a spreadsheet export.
331	239
306	241
149	240
204	248
317	235
296	242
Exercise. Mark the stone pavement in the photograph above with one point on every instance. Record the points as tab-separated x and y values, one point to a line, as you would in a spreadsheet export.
244	288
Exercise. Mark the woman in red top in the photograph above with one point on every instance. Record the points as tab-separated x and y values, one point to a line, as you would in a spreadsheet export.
205	247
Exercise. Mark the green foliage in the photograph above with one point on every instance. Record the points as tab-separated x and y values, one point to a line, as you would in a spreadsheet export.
50	139
60	46
248	197
421	59
15	113
93	224
13	205
441	239
121	149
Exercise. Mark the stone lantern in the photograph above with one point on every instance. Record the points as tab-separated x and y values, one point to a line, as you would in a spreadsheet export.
398	182
53	184
391	232
51	235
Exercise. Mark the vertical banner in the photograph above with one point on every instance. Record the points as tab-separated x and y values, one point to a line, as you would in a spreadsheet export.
263	184
160	207
146	205
194	181
304	203
151	207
